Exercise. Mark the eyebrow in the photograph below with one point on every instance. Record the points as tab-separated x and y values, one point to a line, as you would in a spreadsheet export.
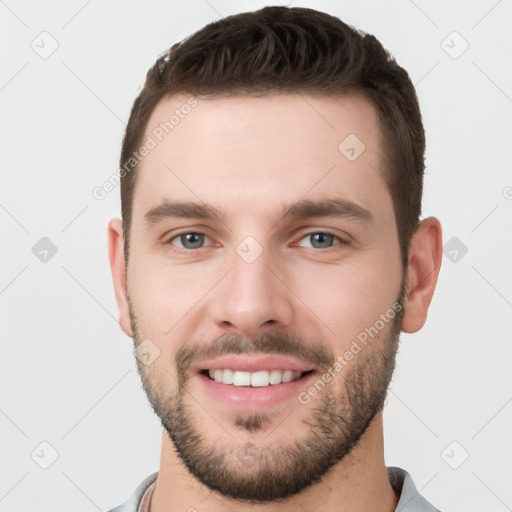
189	210
337	208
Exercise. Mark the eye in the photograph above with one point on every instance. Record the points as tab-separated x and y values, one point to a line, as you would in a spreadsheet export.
320	240
190	240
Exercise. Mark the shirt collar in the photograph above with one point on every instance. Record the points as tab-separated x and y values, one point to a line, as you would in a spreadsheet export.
410	498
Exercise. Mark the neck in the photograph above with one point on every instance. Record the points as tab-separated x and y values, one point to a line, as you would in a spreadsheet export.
358	483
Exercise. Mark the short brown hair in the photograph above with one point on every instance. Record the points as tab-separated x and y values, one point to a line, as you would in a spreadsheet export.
282	49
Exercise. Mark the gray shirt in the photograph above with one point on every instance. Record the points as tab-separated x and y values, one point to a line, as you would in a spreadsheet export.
410	499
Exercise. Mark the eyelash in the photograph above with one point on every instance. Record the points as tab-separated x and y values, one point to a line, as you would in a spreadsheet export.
341	241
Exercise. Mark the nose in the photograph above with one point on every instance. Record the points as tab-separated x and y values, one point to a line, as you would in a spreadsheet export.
253	298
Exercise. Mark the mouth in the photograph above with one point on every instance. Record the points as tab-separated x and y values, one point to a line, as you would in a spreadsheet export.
248	382
258	379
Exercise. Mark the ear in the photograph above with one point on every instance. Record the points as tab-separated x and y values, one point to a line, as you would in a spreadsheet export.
118	268
425	255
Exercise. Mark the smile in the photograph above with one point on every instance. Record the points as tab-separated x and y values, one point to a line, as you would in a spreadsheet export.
254	379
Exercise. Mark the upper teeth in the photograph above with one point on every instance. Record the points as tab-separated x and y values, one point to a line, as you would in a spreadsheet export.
256	379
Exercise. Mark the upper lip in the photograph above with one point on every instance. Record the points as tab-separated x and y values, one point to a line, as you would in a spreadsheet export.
246	363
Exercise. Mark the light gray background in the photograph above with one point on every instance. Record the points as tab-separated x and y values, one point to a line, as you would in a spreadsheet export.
68	375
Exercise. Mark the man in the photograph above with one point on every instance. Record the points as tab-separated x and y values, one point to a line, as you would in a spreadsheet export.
269	255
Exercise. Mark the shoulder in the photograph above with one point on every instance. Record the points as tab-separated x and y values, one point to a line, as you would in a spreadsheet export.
132	505
410	499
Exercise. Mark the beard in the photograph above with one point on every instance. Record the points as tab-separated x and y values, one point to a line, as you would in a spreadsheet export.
259	473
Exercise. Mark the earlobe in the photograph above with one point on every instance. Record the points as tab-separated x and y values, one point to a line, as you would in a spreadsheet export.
425	256
118	269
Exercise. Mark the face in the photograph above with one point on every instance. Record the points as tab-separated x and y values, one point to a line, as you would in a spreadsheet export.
265	268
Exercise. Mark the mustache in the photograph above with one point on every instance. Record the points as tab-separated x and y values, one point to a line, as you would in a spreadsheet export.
275	343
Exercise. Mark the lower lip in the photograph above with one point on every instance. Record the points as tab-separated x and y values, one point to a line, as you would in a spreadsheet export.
248	397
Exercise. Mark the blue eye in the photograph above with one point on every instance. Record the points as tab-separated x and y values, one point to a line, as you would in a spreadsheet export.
192	240
189	240
320	240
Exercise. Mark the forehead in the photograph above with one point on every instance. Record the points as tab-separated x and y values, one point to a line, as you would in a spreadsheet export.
247	151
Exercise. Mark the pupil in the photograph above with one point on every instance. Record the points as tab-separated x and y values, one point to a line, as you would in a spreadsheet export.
321	240
192	240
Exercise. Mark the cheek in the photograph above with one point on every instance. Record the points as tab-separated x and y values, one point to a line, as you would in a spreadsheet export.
349	297
164	294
